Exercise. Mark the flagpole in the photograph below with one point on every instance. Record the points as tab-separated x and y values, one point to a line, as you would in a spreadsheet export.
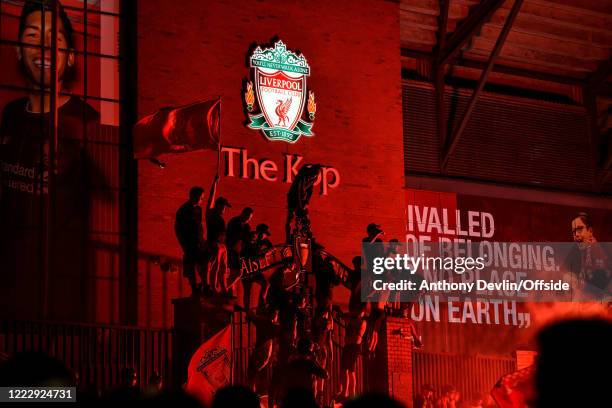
219	146
231	353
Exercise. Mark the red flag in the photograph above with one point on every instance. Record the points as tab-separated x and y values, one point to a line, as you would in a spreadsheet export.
178	129
210	367
515	390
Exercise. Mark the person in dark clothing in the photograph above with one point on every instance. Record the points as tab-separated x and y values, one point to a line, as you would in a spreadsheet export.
368	400
372	245
239	227
299	398
375	233
233	255
25	152
258	245
235	281
262	238
215	209
35	369
238	239
217	268
302	316
355	330
292	318
127	391
285	302
375	236
375	321
356	305
302	370
401	308
574	356
267	329
235	396
155	385
190	234
426	398
377	312
326	279
322	328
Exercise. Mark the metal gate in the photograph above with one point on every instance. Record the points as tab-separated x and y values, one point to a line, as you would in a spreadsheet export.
471	375
97	353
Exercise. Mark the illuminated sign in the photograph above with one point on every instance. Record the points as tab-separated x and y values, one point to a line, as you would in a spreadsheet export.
280	86
239	164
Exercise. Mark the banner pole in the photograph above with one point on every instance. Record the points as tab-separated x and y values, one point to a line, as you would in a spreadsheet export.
232	350
219	146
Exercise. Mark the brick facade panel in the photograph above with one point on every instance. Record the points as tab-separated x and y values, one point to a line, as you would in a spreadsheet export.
197	50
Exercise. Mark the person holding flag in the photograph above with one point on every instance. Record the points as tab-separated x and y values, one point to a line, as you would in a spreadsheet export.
190	234
181	129
218	270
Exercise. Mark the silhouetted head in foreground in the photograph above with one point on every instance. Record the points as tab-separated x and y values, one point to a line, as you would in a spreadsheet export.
373	400
235	396
172	398
573	364
299	398
35	369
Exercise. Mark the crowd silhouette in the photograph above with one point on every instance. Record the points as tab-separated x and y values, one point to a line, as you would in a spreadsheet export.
571	371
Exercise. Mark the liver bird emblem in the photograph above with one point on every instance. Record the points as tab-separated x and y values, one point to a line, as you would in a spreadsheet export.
282	108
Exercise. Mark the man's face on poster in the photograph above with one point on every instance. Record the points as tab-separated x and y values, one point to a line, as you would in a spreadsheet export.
36	66
580	231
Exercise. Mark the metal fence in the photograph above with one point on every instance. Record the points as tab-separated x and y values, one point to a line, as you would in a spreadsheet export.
243	337
471	375
98	354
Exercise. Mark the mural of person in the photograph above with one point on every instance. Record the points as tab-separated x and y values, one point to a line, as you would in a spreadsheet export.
25	150
588	262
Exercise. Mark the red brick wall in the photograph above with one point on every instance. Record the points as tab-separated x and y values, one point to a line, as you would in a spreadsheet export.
191	50
399	359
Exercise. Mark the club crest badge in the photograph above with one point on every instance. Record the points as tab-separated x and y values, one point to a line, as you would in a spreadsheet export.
280	87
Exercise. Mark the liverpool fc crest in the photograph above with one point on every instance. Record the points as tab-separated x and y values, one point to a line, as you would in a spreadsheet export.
280	85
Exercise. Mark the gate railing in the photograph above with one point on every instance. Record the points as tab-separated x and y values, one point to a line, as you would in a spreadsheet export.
99	353
244	341
96	353
469	374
